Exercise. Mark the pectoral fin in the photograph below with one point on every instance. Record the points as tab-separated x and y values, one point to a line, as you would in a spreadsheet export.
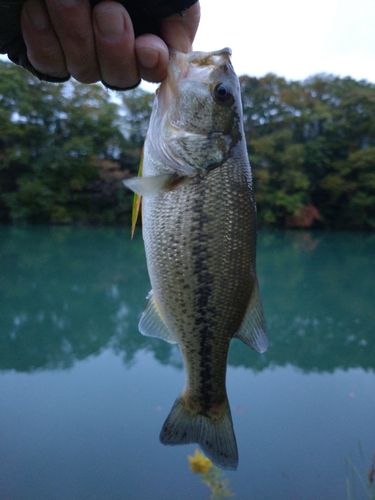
152	323
253	328
146	186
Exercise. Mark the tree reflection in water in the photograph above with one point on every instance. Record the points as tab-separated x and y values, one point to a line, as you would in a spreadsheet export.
67	293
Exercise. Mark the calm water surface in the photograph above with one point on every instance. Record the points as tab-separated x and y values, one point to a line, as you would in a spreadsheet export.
83	395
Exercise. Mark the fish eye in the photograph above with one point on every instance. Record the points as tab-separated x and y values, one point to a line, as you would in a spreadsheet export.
222	93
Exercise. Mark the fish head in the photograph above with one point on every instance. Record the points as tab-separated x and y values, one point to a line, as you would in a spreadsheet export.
202	96
196	122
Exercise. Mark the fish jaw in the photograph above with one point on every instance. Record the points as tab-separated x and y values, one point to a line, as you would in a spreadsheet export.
198	67
190	132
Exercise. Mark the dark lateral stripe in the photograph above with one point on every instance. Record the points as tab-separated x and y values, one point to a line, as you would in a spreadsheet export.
205	312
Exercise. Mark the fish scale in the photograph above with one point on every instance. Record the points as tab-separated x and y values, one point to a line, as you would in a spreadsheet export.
199	229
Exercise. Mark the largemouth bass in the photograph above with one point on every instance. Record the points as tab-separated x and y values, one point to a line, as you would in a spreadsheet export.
199	230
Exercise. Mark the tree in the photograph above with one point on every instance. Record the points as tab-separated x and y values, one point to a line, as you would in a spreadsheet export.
311	148
63	152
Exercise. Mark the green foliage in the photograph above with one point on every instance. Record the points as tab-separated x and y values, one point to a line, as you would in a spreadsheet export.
63	153
64	150
312	149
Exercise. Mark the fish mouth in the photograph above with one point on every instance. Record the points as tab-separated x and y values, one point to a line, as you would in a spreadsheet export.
197	65
201	67
215	59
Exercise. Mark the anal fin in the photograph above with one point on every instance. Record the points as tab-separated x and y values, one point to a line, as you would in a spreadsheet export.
253	328
152	323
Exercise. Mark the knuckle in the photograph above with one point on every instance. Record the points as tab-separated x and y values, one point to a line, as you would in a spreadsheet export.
48	60
85	73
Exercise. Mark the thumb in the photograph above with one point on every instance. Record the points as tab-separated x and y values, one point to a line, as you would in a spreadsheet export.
178	31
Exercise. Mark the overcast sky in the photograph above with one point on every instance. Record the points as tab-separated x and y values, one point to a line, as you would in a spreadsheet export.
292	38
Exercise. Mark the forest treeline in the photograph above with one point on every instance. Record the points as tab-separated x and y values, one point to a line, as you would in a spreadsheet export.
64	150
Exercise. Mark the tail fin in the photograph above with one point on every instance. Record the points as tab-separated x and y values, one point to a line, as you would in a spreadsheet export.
215	434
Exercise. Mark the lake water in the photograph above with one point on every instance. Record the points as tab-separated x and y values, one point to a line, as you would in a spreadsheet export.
83	395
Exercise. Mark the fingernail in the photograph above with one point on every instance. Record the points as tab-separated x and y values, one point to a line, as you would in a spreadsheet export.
110	24
148	58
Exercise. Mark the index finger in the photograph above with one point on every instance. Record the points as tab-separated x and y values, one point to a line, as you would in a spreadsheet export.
72	22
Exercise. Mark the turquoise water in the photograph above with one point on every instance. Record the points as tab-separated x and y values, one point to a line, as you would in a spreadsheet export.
83	395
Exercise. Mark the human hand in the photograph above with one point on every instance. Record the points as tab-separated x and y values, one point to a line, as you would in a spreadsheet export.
68	37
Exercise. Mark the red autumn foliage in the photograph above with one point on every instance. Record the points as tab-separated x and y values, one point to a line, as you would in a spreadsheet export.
305	218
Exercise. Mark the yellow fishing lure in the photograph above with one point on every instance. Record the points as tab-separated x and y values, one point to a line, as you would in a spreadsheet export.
137	199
